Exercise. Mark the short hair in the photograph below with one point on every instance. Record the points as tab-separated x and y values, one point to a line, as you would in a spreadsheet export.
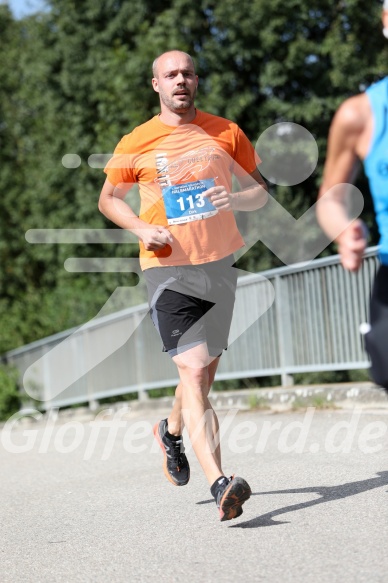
155	63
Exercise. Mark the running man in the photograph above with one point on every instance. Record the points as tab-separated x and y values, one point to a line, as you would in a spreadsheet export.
183	160
359	131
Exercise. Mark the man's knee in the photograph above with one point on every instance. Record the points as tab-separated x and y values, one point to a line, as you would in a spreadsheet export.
194	377
196	358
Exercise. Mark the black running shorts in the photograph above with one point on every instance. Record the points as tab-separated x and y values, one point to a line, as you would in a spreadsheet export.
376	339
193	304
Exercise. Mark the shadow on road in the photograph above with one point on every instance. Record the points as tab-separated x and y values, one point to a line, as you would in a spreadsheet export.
326	493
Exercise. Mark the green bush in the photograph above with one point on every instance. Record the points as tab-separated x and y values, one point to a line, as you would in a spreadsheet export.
9	393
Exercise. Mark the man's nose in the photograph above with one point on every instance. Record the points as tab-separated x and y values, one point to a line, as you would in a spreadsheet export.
180	78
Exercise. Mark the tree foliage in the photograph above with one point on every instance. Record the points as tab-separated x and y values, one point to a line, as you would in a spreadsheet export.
77	77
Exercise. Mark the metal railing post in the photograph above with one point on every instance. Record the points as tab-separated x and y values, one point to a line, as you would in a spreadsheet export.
283	322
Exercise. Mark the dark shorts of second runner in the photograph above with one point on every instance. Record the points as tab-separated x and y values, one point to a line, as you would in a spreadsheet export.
193	304
376	339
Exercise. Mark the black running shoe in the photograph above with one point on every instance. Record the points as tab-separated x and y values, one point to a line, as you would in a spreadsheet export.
230	497
175	464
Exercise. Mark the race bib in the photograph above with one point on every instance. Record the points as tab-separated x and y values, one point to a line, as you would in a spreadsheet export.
185	203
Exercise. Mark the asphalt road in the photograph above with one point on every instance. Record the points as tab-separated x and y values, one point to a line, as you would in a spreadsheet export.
83	502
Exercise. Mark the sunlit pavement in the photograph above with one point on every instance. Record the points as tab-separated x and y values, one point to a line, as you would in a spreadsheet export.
88	501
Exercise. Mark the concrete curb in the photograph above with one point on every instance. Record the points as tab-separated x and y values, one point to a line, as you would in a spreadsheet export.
275	399
344	395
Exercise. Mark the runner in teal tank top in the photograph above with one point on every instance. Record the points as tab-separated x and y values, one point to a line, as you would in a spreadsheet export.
359	131
376	161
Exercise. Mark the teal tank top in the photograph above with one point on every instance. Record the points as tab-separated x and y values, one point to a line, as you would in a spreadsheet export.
376	161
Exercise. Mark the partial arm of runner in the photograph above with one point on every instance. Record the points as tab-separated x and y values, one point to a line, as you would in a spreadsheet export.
340	169
112	205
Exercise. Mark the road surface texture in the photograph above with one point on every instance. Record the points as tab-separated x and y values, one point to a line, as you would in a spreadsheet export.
85	500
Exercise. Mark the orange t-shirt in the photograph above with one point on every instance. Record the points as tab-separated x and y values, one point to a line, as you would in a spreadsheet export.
172	165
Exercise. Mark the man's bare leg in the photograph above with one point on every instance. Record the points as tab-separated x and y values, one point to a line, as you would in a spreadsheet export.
196	375
175	419
196	372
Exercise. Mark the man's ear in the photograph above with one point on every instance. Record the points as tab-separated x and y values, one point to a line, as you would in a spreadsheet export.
155	84
384	18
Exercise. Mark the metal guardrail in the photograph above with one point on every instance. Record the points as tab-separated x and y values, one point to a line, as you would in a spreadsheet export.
312	325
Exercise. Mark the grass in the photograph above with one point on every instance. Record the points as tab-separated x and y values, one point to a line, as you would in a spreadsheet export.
320	402
258	403
316	401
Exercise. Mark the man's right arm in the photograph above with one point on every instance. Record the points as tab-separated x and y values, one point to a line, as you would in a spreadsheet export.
340	168
111	204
